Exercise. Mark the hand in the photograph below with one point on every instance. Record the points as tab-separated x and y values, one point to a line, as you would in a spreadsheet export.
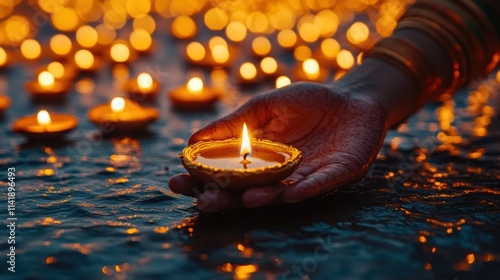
339	134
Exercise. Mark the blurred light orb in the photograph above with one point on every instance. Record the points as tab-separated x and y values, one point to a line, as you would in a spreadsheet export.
236	31
46	80
287	38
345	59
216	19
248	71
145	81
269	65
86	36
195	51
31	49
261	46
65	19
216	41
311	68
56	68
140	40
195	85
330	48
84	59
3	57
146	22
220	54
60	44
105	34
183	27
282	81
120	52
302	53
358	33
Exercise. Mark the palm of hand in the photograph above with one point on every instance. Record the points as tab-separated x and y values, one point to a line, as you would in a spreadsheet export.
339	135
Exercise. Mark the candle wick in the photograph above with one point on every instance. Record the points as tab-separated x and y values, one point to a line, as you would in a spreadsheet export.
245	156
245	161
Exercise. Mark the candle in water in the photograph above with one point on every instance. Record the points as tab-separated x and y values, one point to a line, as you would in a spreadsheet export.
193	96
47	88
45	126
142	88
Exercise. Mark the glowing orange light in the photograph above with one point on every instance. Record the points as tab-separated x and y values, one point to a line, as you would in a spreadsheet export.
145	81
220	54
236	31
117	104
120	52
60	44
330	48
261	46
195	51
358	33
195	86
46	80
43	118
84	59
245	142
345	59
56	68
248	71
269	65
282	81
311	68
31	49
3	57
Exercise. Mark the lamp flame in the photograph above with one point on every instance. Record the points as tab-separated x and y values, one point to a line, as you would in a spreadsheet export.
195	86
117	104
46	80
145	81
246	149
43	118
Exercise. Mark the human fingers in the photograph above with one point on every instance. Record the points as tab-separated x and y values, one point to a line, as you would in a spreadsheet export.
218	200
185	185
263	195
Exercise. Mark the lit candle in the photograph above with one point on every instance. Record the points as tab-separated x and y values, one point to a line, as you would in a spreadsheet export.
122	116
311	71
47	88
142	88
44	126
4	103
242	162
193	96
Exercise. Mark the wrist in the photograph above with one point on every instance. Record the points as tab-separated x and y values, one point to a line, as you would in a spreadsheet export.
385	84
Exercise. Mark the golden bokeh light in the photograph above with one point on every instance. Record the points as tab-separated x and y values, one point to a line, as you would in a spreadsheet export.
236	31
145	81
3	57
183	27
345	59
220	54
60	44
46	80
43	118
84	59
287	38
358	33
119	52
302	53
330	48
86	36
65	19
327	23
105	34
195	86
282	81
117	104
248	71
283	18
257	22
56	68
115	19
269	65
146	22
138	8
308	32
216	18
216	41
195	51
31	49
261	46
140	40
311	68
17	28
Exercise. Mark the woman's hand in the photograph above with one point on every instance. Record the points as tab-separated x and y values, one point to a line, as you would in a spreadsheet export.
338	132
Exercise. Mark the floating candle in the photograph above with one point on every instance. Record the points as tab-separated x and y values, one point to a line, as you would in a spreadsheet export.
238	164
142	88
47	88
193	96
45	126
122	116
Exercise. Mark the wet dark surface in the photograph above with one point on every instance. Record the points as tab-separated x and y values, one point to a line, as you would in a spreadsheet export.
100	208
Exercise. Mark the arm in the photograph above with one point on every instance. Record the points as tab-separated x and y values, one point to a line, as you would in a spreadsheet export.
340	127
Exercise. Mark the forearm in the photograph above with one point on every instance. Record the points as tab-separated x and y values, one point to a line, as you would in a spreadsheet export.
441	59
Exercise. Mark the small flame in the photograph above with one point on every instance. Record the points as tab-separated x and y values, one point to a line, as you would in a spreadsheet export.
311	68
195	85
117	104
145	81
43	118
245	143
46	79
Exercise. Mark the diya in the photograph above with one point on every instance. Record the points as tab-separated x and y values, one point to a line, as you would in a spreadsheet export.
142	88
44	126
194	96
47	88
122	116
240	163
